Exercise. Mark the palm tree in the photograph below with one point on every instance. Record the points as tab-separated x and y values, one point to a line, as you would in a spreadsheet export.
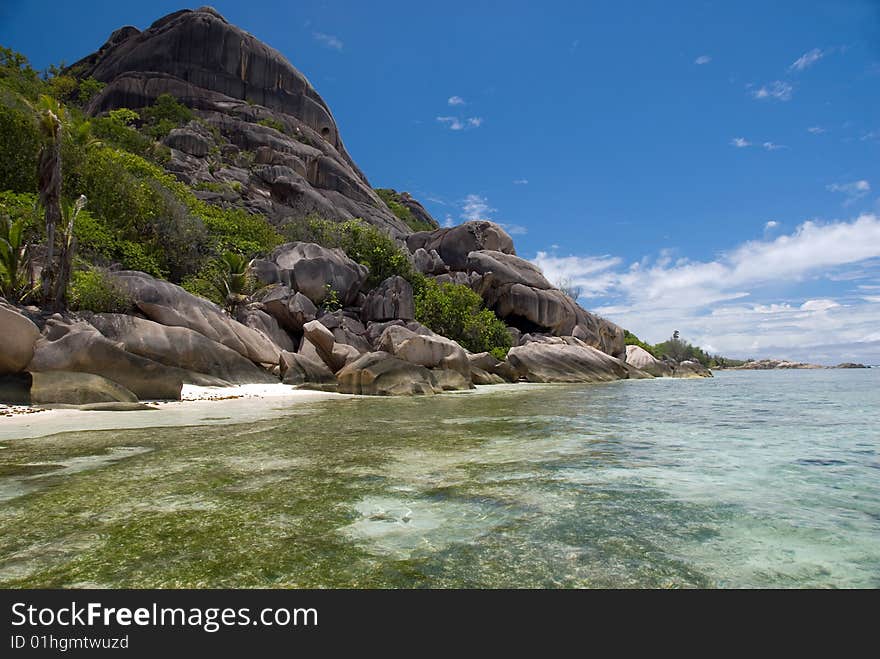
51	120
232	279
65	256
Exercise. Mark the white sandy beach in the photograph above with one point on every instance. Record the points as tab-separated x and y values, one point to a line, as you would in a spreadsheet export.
198	406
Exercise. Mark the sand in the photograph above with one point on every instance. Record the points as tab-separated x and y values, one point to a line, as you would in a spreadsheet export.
199	406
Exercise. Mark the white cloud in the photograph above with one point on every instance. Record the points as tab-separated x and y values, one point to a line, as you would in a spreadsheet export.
521	181
740	142
772	224
328	40
770	146
870	135
706	300
853	191
448	221
475	207
454	123
819	305
457	123
816	130
456	100
591	273
806	60
703	59
777	90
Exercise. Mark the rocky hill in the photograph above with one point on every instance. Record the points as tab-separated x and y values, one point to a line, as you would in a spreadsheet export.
263	124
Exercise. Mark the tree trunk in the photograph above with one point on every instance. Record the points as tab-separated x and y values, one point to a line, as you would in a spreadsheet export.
49	178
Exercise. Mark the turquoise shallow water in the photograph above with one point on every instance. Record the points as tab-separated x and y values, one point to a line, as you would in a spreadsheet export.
752	479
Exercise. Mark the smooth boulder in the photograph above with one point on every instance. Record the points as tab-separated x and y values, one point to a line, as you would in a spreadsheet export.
645	361
382	374
565	362
19	337
455	243
72	388
290	308
430	351
314	271
168	304
391	300
81	348
179	347
300	370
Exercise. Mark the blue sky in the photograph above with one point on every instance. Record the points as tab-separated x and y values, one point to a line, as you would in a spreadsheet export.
711	167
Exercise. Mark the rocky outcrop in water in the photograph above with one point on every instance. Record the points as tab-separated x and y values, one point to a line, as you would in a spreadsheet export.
645	361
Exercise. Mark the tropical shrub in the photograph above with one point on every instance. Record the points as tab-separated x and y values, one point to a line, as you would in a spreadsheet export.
362	242
19	146
13	247
393	200
457	312
94	290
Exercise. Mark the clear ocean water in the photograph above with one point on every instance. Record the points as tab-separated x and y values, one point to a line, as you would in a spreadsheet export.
752	479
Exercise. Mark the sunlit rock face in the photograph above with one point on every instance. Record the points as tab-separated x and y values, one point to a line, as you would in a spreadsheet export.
234	82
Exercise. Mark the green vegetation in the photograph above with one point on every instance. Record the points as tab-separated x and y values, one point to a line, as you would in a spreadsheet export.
362	242
232	281
94	290
272	123
457	312
394	201
331	301
139	217
679	350
166	114
631	339
13	280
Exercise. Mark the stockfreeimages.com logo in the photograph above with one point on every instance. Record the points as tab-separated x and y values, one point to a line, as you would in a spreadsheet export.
95	614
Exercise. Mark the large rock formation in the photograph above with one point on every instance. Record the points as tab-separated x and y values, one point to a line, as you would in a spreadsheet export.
382	374
314	271
179	347
454	244
80	348
297	164
481	255
560	361
167	304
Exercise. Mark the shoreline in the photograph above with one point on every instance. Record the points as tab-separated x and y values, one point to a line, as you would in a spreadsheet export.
198	406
